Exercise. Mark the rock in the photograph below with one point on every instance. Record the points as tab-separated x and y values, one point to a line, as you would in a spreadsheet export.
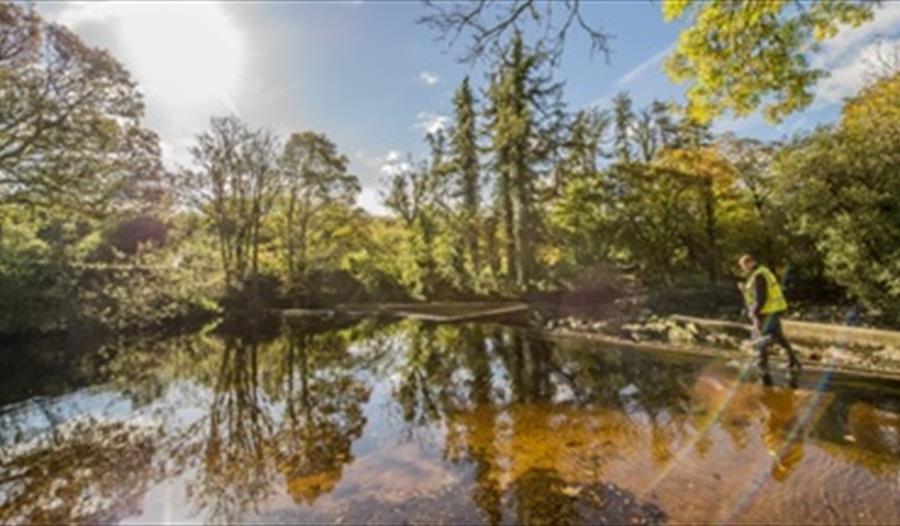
677	334
629	390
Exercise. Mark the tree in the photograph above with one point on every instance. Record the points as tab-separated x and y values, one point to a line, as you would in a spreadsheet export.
234	184
464	163
623	120
843	188
740	56
70	118
412	195
753	160
712	175
525	118
577	213
315	177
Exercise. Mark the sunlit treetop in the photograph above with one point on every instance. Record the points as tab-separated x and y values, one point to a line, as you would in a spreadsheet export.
744	56
875	105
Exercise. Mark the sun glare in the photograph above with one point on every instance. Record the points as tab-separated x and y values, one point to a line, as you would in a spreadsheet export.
184	55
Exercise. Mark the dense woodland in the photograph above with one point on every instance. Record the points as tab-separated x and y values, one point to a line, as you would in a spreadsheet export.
520	194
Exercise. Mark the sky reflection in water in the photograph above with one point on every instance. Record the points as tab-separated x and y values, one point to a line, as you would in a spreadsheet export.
431	423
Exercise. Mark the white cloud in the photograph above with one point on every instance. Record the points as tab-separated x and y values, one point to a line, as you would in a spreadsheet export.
370	199
847	56
431	122
188	58
848	76
394	163
641	68
848	41
428	78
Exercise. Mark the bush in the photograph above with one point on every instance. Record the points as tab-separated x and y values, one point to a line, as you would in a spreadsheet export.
254	297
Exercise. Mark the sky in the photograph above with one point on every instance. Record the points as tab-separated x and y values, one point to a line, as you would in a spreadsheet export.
365	74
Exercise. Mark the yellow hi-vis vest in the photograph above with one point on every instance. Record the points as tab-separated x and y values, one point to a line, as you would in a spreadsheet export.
775	301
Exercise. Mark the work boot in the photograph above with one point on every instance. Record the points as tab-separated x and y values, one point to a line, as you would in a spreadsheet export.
762	362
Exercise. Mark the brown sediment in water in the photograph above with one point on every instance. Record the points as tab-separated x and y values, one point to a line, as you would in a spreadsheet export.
425	423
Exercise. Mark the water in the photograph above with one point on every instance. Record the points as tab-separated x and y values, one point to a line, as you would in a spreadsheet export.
428	423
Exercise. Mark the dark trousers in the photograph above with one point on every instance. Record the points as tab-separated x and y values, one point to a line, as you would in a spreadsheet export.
770	325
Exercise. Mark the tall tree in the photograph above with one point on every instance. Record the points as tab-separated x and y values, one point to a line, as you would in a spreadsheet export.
667	128
234	183
413	194
711	174
576	213
623	119
315	177
464	162
524	122
646	136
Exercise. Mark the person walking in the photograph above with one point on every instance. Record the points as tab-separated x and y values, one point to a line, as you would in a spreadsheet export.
765	305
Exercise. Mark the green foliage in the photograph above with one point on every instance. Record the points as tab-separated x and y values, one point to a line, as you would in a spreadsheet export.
147	291
318	192
740	56
525	116
465	166
70	123
577	199
235	183
844	186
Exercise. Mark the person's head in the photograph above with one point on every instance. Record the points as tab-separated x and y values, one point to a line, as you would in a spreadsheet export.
747	263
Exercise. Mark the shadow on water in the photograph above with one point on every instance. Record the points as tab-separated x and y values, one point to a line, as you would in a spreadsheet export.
413	422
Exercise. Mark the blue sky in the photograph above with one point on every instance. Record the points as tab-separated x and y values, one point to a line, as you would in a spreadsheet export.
373	80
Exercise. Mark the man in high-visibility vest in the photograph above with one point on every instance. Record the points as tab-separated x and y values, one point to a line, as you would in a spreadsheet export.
765	305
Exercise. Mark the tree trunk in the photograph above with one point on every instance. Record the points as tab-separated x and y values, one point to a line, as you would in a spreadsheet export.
522	212
713	253
508	222
289	239
473	241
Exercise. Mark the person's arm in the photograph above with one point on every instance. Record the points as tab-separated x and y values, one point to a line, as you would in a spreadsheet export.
761	290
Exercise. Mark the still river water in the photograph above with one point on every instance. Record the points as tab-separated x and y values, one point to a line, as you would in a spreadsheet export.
417	423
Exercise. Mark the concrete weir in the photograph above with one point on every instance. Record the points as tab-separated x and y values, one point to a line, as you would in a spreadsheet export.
444	312
822	333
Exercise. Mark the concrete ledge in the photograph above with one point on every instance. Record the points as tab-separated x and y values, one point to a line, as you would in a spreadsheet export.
445	312
802	330
476	314
307	313
848	371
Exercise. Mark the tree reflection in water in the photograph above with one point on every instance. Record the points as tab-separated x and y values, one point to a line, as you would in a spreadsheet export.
84	471
534	422
283	414
520	430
